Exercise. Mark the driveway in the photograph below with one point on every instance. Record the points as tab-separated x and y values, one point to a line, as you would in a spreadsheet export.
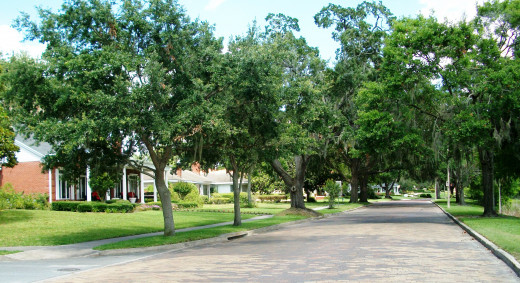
386	242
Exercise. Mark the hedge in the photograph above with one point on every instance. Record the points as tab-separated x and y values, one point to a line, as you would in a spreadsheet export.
214	200
65	205
272	198
81	206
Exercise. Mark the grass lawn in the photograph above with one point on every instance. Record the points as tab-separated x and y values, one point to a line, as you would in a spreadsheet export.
504	231
48	228
198	234
2	252
272	208
275	208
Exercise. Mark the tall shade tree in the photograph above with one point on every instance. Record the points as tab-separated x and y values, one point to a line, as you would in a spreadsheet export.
473	82
245	120
360	32
7	146
134	77
303	116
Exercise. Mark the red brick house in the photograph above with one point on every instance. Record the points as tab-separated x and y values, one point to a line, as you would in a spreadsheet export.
27	177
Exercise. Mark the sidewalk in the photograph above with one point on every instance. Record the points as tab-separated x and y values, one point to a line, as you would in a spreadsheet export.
86	248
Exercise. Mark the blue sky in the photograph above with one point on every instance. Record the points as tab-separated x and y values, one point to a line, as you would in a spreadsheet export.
232	17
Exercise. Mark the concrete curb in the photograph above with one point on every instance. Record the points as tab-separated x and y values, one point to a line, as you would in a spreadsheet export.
219	239
498	252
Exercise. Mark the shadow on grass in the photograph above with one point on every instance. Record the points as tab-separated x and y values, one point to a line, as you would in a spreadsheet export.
15	215
92	234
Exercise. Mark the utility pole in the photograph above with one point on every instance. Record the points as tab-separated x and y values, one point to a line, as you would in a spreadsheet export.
448	185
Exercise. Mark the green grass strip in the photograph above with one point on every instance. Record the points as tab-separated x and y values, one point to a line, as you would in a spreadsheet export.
188	236
503	231
2	252
49	228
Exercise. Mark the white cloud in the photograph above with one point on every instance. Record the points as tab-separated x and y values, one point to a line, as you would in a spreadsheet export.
11	43
214	4
452	10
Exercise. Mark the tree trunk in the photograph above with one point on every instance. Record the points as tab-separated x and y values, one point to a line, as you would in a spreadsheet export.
459	186
294	184
486	164
354	183
387	192
236	192
166	202
363	196
437	189
299	181
249	198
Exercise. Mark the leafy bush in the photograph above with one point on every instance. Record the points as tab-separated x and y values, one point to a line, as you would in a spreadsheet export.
372	194
101	183
148	206
219	200
204	199
65	205
425	196
183	189
187	205
272	198
231	196
9	199
149	189
333	189
194	197
85	207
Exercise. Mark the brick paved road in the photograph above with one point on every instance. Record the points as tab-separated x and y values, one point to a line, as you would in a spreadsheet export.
386	242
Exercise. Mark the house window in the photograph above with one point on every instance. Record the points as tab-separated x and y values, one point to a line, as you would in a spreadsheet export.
64	188
82	188
118	193
133	185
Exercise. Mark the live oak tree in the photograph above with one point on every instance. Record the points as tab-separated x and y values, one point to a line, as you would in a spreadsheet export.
303	116
360	32
474	85
244	120
134	77
7	146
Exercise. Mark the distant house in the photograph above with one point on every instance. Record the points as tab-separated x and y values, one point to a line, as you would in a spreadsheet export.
214	181
27	177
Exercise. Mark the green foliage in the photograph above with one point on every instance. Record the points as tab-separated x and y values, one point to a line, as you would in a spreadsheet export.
231	197
10	199
333	189
103	182
271	198
187	204
425	195
219	200
183	189
263	183
80	206
7	146
66	205
193	197
149	189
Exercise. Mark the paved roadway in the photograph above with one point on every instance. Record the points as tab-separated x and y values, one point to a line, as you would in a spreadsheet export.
387	242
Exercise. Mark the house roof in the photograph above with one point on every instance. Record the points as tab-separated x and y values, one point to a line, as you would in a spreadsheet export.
221	177
213	177
40	149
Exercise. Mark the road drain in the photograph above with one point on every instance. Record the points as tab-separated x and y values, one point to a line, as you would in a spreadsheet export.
69	269
237	236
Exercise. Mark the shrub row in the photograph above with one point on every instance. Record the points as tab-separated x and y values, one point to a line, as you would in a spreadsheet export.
425	196
272	198
81	206
215	200
9	199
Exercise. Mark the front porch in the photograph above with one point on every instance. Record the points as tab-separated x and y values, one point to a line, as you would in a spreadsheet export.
131	187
